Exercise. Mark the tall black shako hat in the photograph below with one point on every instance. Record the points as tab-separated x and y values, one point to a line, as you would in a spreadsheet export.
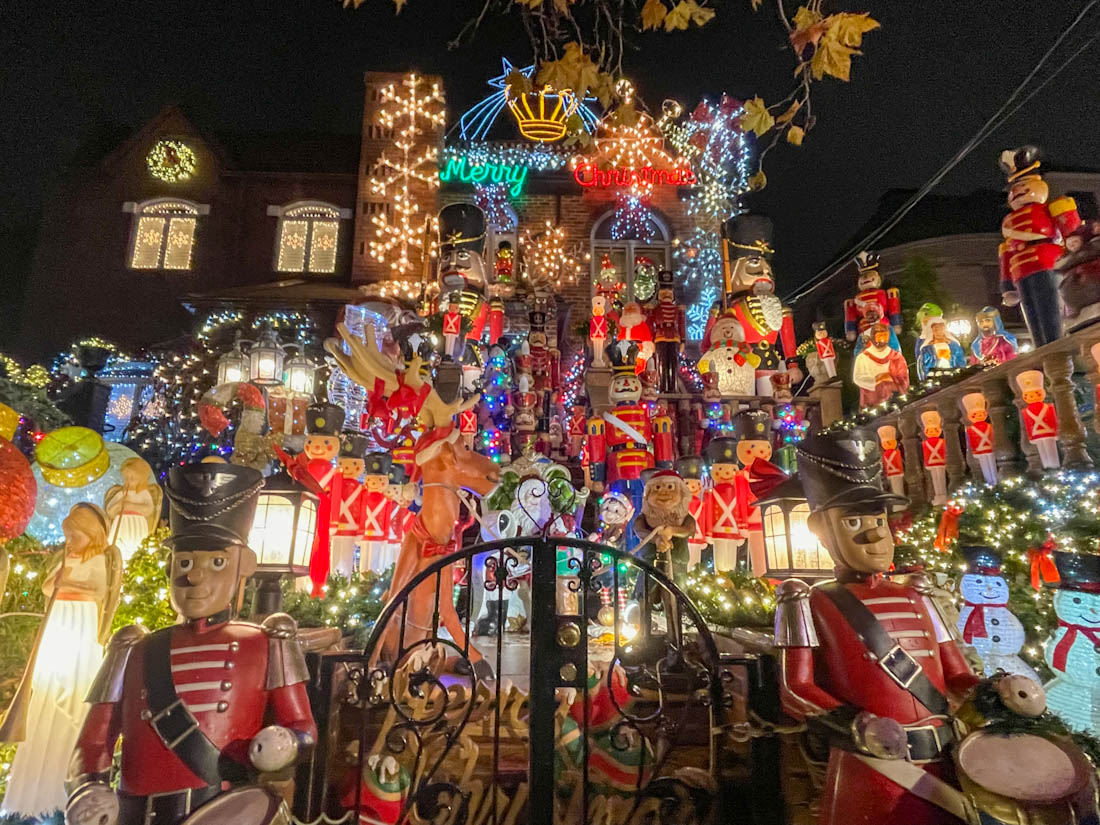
461	226
324	419
666	279
752	425
622	356
211	505
721	450
747	236
354	445
1020	163
690	466
843	469
1078	571
378	464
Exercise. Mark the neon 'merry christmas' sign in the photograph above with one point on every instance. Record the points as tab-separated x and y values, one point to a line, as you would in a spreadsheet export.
589	174
462	169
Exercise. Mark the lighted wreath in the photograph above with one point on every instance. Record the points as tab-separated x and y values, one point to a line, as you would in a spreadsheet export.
171	161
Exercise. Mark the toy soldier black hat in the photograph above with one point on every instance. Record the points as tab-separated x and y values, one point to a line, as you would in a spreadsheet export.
820	325
398	474
866	261
622	356
690	466
324	419
537	318
378	464
354	445
1078	571
666	279
461	225
843	469
983	559
722	450
1020	163
211	505
747	236
752	425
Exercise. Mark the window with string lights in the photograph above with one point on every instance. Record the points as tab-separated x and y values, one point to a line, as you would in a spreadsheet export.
308	237
163	234
627	264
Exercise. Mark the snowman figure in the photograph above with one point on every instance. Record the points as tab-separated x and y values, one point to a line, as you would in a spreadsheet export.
728	364
1073	652
985	621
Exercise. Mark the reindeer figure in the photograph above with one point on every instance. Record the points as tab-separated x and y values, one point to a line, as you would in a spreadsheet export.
445	467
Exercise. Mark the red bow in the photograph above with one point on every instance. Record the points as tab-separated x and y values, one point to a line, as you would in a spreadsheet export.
1043	568
975	622
949	527
1061	650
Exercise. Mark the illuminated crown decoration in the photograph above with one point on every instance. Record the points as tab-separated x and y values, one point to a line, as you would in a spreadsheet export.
542	115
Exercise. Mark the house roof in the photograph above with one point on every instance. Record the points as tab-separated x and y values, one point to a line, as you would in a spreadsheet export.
290	292
309	152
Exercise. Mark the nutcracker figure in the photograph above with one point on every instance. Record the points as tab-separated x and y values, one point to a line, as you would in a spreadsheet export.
462	270
525	419
871	303
934	449
1080	271
892	463
201	705
979	434
868	662
597	331
467	426
578	421
993	344
691	470
1033	233
669	322
540	352
452	330
350	510
1039	418
497	316
750	288
505	263
757	477
635	329
723	530
377	553
403	495
826	350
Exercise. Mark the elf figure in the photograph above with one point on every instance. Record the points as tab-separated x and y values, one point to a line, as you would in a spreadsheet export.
349	526
597	330
1033	242
1039	418
1073	652
691	470
892	459
935	454
669	323
871	303
452	330
826	350
723	530
376	553
756	478
985	622
979	435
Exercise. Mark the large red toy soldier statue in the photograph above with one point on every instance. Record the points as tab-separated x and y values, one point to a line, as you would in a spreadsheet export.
575	430
869	661
892	460
377	553
691	470
1039	418
979	434
349	510
756	478
1033	241
934	453
669	323
200	706
871	303
462	269
724	531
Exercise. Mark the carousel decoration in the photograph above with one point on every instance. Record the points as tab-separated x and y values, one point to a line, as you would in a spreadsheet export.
1039	418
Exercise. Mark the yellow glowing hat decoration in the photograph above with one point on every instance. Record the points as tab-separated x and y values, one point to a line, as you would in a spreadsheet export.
72	457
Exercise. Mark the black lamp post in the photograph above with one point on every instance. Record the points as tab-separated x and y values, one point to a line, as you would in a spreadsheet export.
790	547
282	537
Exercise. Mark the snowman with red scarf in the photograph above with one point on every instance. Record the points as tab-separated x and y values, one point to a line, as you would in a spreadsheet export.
985	622
1073	652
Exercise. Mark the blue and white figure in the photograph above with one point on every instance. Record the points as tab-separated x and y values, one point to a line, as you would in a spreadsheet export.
1073	652
940	349
985	622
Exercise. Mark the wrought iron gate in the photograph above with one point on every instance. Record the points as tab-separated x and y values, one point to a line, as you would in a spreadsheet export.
616	722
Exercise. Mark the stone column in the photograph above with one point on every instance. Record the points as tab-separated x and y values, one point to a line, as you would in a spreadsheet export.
1093	369
1005	421
1058	368
1031	455
952	433
827	396
914	463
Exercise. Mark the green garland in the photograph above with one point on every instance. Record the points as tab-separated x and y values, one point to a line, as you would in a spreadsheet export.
732	599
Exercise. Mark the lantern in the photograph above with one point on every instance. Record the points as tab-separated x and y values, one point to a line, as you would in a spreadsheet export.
298	374
266	359
234	365
282	537
790	547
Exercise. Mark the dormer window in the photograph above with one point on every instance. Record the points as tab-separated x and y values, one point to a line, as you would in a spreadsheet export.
163	235
307	237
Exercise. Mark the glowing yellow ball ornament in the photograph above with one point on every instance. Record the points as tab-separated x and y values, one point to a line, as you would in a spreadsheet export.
72	457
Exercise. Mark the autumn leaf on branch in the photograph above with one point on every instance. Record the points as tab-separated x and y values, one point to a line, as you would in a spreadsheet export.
834	52
685	13
792	110
575	70
850	28
758	180
756	118
653	13
795	135
809	28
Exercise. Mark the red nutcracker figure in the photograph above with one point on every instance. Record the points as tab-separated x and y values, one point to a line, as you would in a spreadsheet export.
1039	418
525	419
452	331
691	470
870	663
871	303
1033	233
540	352
634	328
756	478
467	426
496	320
598	331
723	530
202	704
979	434
577	424
826	350
462	270
350	510
404	452
934	449
669	323
377	552
892	464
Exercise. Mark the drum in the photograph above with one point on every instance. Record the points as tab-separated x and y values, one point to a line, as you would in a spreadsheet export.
1024	779
242	806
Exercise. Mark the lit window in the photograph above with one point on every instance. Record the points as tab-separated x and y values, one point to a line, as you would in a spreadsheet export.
164	235
308	235
630	263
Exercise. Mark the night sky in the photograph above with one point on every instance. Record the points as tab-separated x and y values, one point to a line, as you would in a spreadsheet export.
927	80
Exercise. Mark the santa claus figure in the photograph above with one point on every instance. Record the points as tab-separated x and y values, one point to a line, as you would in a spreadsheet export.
879	370
349	526
1039	418
728	364
892	464
377	553
979	434
934	450
634	328
692	470
871	304
597	330
826	350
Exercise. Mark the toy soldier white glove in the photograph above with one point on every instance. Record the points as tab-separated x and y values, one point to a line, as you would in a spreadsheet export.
880	736
92	804
273	748
1010	298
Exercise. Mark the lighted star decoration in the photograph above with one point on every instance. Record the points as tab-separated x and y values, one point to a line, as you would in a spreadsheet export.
413	110
547	261
476	121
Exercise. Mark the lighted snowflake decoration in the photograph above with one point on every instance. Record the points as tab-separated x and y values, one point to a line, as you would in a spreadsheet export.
171	161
